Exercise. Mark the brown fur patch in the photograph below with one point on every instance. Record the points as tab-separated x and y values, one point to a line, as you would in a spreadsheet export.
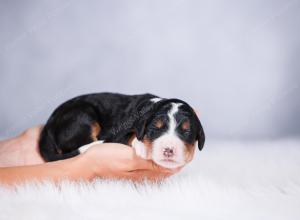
189	152
159	123
148	145
95	131
131	139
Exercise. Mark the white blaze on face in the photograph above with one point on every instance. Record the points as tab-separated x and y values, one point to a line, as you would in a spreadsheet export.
154	100
169	141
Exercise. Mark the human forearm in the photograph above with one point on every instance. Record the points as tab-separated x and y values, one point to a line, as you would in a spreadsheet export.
109	160
71	169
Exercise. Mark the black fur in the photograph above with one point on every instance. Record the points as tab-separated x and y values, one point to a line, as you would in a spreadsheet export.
119	116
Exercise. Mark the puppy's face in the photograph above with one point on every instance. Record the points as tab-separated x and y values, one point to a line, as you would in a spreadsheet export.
170	134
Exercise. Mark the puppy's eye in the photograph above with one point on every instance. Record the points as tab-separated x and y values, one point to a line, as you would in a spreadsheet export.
185	126
159	124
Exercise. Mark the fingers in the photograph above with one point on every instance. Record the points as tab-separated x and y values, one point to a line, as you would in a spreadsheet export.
139	163
152	173
137	175
142	175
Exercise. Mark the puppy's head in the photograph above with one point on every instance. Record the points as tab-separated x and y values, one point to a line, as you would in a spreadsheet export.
169	133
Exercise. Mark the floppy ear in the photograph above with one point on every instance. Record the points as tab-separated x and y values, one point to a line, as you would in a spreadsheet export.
200	136
196	112
139	127
144	113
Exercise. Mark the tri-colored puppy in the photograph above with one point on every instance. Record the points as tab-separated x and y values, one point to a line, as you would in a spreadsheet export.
164	130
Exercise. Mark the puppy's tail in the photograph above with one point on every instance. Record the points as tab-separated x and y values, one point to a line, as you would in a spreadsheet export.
49	149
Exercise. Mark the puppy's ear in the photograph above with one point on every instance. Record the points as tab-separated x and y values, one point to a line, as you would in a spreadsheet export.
196	112
200	135
145	111
139	128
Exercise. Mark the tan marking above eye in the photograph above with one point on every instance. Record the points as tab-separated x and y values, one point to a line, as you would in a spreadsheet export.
159	123
185	125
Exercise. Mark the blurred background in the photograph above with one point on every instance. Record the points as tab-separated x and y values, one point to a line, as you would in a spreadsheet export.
237	62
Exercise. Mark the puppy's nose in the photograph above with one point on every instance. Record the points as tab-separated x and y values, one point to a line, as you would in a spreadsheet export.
168	152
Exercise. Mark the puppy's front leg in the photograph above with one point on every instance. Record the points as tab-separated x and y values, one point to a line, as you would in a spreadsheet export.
84	148
140	148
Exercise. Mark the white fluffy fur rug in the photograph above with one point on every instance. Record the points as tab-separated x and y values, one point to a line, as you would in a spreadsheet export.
228	180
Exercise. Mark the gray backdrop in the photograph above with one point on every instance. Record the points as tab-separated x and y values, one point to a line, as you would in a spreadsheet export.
237	62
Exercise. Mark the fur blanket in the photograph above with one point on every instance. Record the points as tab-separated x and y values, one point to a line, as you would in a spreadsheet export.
227	180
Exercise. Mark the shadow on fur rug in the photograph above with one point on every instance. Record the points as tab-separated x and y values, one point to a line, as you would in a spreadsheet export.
227	180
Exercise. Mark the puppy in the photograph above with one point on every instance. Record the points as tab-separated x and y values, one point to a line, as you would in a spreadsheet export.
164	130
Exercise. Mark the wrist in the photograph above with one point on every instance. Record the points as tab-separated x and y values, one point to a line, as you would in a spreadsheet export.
80	168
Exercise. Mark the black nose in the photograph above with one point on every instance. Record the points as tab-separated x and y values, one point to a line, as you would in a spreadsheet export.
168	152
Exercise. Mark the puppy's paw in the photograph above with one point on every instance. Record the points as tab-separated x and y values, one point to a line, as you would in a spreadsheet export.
84	148
140	148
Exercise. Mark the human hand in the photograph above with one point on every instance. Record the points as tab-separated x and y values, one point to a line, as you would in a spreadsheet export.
118	161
